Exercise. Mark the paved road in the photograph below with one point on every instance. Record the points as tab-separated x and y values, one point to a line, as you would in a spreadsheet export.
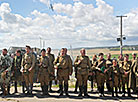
37	97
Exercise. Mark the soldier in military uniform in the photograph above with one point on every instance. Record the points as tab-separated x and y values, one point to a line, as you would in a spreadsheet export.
28	65
5	72
120	61
114	74
83	65
16	67
133	79
108	66
100	74
44	71
51	58
125	70
92	73
64	66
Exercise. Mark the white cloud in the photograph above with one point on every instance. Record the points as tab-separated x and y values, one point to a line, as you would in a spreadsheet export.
79	25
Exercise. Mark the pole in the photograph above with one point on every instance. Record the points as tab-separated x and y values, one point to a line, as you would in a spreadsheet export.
121	32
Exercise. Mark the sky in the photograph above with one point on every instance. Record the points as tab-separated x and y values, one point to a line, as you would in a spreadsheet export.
76	23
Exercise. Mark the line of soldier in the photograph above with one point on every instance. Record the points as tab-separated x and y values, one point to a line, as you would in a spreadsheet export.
115	73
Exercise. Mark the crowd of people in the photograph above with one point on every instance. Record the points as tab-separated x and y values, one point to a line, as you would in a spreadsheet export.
118	74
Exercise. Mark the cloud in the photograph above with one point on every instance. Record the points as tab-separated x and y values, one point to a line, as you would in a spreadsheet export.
79	25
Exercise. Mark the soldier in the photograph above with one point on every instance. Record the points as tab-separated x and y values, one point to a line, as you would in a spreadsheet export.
108	66
28	68
92	72
114	77
64	66
125	70
120	61
5	72
101	70
51	58
133	73
83	65
16	67
44	72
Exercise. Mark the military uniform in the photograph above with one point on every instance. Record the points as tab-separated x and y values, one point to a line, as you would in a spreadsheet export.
108	66
114	74
125	67
82	72
44	73
92	70
100	75
5	73
64	66
28	61
133	76
16	67
52	77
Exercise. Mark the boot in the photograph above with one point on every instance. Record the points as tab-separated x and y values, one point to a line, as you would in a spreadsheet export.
42	87
27	88
66	90
8	89
112	92
85	91
92	85
50	85
80	91
116	92
123	91
15	86
46	90
61	90
129	93
23	87
102	91
31	88
76	87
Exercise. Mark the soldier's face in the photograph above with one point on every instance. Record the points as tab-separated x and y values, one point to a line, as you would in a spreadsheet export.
62	52
108	56
48	50
18	54
82	52
27	50
114	63
65	51
101	57
4	52
126	58
94	56
43	53
134	56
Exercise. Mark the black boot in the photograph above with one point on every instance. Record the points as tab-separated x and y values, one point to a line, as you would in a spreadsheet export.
31	89
112	92
8	89
129	93
23	87
80	91
116	92
42	87
27	88
102	91
46	90
92	85
85	91
123	91
15	86
50	85
76	87
61	90
66	90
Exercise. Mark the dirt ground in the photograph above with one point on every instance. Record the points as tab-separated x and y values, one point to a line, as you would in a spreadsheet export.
37	97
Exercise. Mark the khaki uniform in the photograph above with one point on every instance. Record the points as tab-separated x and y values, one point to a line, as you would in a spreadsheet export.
133	79
44	70
64	69
114	75
28	61
100	73
16	67
82	69
51	60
